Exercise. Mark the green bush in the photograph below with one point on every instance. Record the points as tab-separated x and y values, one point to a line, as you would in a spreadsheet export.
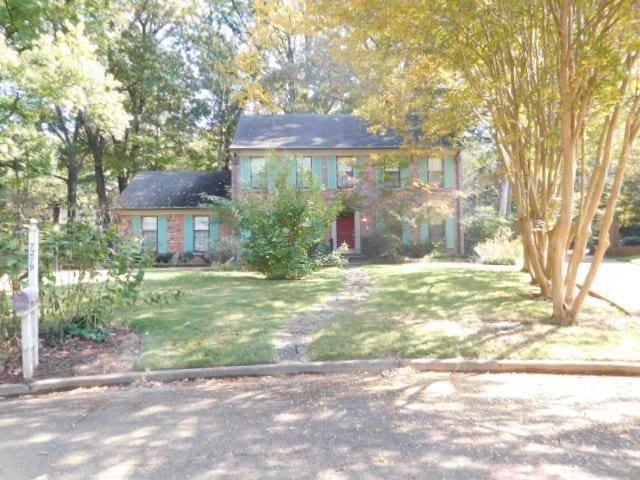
374	245
499	251
418	250
280	228
225	249
630	241
482	224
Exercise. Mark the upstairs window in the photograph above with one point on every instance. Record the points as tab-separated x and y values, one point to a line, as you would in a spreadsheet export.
200	234
436	233
391	175
435	173
150	234
345	172
303	172
258	173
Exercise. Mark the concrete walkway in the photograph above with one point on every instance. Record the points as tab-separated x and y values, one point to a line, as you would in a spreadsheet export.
398	426
616	281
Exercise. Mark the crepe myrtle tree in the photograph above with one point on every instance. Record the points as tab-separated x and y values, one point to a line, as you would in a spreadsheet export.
555	81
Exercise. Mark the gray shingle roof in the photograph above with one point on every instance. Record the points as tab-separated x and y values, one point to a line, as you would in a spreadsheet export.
308	131
157	190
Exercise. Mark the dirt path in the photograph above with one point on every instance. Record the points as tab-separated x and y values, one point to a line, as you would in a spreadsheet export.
293	339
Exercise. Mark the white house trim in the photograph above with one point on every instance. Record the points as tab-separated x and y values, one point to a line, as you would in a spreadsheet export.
356	220
334	234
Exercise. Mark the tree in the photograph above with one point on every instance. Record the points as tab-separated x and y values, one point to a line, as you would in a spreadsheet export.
288	64
546	75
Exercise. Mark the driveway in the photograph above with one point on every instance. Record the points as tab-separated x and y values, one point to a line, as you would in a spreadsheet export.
616	281
399	426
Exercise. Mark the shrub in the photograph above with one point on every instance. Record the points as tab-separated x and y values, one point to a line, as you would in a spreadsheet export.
419	250
107	274
225	249
499	251
186	257
279	229
163	258
630	241
374	245
483	224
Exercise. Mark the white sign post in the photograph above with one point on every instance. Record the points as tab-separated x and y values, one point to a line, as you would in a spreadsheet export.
26	305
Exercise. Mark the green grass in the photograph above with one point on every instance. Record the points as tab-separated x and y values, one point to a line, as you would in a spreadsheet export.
417	311
223	318
630	258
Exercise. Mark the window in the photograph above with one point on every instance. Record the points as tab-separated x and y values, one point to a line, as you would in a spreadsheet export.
303	172
436	233
391	175
150	234
257	170
200	234
435	174
345	172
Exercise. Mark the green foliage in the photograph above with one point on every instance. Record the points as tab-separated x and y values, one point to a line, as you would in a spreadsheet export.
482	224
86	274
279	229
225	249
630	241
499	250
103	273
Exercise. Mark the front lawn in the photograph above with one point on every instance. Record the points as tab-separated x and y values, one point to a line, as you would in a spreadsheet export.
418	310
222	318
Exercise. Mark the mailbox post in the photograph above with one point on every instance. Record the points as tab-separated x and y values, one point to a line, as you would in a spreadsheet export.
26	305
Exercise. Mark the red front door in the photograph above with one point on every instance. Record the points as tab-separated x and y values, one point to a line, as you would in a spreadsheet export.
346	231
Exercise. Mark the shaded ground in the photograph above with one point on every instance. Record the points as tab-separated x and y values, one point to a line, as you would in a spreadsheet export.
400	426
617	281
76	356
446	310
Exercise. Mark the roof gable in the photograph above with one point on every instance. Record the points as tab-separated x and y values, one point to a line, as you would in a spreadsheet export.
159	190
308	131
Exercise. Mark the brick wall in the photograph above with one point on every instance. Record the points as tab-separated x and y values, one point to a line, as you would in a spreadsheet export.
367	191
176	233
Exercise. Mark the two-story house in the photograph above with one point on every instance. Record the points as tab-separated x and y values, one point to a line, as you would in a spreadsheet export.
341	154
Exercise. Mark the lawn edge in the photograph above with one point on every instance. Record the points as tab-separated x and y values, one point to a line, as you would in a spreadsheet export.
553	367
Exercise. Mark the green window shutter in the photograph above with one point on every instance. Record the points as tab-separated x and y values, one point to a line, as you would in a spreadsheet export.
332	172
136	225
423	169
357	169
163	234
449	173
214	228
407	235
293	173
424	232
188	233
245	172
379	222
379	172
404	173
316	168
450	233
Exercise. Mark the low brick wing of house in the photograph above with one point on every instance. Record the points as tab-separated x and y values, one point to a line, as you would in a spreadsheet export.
347	159
169	210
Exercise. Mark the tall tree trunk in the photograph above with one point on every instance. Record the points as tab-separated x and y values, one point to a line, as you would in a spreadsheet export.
123	181
97	144
73	173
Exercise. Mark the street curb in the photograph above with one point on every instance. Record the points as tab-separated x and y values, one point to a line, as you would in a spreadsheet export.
347	366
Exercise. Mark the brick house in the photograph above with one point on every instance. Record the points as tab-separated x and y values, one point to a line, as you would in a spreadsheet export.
345	158
338	151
